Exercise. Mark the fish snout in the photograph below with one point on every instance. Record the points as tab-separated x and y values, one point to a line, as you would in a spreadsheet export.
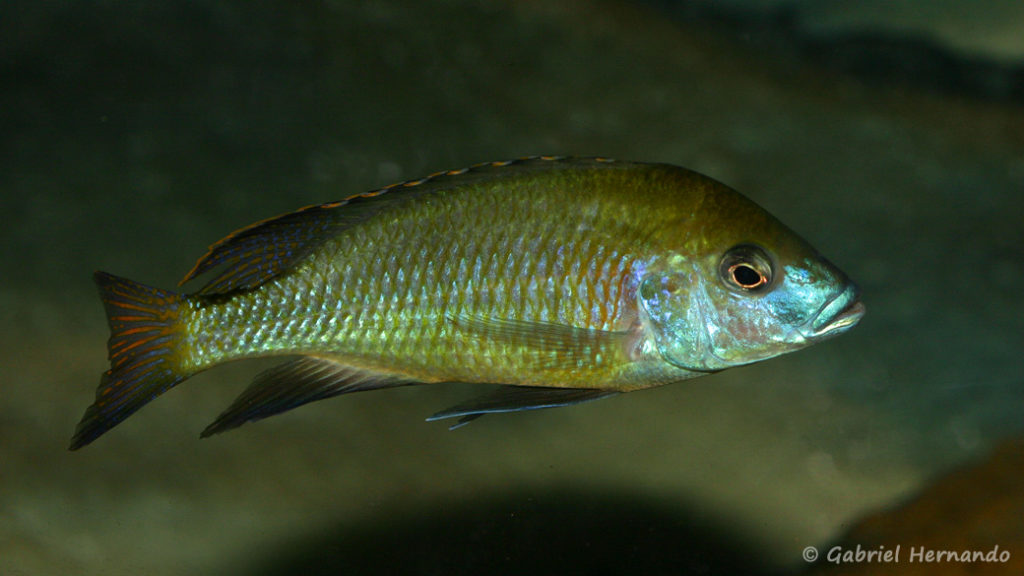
838	315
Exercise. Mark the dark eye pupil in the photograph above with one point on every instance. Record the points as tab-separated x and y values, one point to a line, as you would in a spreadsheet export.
746	268
746	276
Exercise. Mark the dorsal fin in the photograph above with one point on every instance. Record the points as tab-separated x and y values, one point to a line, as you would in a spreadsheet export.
263	250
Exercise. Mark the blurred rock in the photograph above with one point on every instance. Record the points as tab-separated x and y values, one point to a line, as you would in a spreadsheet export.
975	508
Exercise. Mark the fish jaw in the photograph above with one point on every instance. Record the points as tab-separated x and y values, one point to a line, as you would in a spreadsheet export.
838	315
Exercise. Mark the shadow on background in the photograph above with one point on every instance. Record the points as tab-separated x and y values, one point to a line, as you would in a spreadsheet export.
548	533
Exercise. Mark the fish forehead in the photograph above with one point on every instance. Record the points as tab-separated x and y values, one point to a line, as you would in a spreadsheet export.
725	219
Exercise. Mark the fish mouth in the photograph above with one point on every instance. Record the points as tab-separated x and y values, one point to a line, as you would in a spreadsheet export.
838	315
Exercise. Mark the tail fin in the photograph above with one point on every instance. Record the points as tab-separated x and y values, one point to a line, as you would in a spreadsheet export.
143	351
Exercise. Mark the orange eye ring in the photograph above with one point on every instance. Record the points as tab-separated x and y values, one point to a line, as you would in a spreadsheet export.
745	276
746	268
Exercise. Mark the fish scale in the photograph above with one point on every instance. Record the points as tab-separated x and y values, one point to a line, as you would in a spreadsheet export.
563	279
459	263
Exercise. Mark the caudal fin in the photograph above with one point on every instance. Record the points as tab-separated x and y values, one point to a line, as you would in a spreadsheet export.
143	350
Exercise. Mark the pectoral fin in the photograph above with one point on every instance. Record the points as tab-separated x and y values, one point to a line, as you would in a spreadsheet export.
516	398
563	347
295	383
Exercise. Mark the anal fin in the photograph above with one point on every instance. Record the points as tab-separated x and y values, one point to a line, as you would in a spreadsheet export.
517	398
292	384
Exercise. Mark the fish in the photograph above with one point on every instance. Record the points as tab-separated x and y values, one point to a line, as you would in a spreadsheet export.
557	280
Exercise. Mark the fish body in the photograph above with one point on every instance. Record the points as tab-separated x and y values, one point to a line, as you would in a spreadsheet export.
563	279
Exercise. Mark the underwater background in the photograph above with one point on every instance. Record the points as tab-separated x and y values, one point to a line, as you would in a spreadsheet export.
888	134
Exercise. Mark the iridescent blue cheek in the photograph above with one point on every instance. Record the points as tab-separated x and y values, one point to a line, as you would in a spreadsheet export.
802	292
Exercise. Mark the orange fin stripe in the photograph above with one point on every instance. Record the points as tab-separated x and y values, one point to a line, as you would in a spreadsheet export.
131	319
141	367
144	351
130	306
143	330
124	353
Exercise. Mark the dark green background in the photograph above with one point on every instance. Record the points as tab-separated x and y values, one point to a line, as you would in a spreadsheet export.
133	135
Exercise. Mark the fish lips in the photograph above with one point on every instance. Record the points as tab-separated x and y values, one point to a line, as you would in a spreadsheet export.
838	315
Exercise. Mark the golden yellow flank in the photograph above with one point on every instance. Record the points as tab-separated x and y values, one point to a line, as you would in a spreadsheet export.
564	279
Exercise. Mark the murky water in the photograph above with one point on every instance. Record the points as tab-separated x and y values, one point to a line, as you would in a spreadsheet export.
133	137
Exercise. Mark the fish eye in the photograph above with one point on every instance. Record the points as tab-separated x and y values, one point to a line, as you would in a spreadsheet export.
746	268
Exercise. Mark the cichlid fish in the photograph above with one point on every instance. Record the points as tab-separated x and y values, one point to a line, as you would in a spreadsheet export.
562	279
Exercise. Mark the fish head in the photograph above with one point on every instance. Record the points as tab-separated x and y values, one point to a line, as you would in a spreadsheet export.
743	293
